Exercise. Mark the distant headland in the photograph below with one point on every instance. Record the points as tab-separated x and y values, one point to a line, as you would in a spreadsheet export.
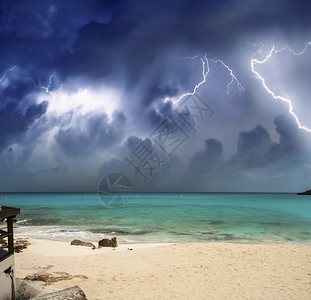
305	193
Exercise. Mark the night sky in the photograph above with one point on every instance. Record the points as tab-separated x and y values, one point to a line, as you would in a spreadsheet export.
90	88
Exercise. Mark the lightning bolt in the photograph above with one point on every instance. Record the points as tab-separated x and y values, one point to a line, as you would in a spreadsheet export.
205	71
4	73
263	81
233	77
47	88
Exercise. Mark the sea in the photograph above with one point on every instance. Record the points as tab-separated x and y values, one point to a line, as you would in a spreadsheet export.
161	218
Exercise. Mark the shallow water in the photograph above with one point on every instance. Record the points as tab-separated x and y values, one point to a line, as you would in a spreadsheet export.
165	217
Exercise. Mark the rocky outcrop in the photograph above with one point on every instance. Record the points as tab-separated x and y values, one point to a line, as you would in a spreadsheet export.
305	193
108	243
81	243
72	293
56	276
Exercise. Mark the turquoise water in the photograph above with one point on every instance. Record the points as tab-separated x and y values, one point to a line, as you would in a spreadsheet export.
165	217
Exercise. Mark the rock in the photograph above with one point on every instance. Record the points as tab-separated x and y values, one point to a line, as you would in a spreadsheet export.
81	243
47	277
108	243
72	293
56	276
25	291
20	245
305	193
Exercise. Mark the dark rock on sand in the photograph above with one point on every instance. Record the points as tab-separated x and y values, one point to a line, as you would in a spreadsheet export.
72	293
305	193
56	276
81	243
108	243
20	245
48	278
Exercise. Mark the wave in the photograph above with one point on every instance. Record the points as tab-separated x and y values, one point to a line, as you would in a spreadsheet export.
23	221
108	230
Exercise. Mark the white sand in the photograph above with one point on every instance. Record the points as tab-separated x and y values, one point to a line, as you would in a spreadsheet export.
175	271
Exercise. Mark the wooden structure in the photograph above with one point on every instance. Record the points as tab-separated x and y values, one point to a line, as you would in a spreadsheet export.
7	277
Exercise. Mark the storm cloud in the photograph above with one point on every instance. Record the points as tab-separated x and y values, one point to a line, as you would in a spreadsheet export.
82	83
92	133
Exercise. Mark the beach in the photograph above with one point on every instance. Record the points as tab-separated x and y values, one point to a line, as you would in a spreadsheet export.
199	246
174	270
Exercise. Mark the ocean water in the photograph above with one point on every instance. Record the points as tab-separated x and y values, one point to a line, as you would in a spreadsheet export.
243	218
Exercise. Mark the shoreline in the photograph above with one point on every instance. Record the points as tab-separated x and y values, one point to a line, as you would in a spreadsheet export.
122	240
176	270
60	233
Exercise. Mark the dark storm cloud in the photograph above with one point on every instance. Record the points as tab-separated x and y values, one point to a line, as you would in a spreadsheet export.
163	177
15	122
18	110
123	150
44	19
138	44
34	33
252	147
135	45
255	148
17	91
132	142
123	39
93	132
288	131
110	38
205	160
139	34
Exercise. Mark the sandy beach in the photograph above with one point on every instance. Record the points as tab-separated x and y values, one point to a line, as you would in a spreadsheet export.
168	271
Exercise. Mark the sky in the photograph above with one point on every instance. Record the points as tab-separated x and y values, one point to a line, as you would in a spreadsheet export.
177	96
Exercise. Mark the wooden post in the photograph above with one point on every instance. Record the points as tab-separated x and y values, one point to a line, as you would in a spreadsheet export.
10	236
